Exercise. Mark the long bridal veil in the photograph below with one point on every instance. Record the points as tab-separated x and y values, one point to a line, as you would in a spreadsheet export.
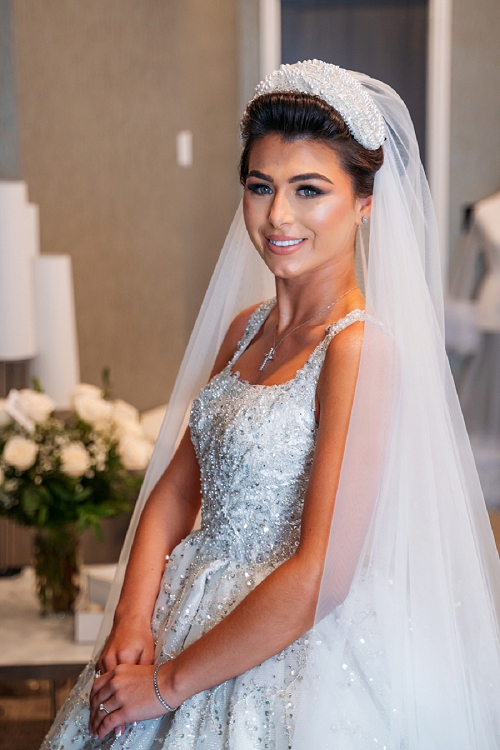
410	658
405	652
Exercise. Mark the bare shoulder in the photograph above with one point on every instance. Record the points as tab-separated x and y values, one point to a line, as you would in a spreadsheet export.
232	337
341	365
345	345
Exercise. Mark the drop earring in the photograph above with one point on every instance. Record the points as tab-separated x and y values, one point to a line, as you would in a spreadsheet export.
364	220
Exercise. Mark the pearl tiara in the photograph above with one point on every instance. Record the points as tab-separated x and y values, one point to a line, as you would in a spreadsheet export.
336	87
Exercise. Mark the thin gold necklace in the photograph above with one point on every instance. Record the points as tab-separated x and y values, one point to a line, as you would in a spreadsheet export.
272	350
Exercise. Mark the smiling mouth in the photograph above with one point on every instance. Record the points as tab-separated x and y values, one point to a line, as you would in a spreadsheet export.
285	243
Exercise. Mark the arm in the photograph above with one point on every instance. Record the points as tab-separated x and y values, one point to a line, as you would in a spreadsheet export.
167	518
282	607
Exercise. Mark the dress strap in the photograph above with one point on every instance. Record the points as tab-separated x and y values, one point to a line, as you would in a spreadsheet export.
355	316
316	359
255	321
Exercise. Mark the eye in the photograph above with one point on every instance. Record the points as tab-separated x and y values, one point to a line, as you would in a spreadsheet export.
309	191
260	188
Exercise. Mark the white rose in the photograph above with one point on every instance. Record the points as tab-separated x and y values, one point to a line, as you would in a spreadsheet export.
124	412
4	417
75	460
2	476
126	419
20	452
38	406
134	453
93	410
134	429
85	389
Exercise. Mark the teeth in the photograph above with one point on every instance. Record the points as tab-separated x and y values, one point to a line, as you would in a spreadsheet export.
285	243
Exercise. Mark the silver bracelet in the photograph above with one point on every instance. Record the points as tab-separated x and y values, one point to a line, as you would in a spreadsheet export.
157	691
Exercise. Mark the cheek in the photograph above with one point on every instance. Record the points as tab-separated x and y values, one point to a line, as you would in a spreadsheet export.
255	213
329	215
249	213
252	218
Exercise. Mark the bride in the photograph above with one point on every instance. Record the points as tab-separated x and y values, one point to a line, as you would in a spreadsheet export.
343	590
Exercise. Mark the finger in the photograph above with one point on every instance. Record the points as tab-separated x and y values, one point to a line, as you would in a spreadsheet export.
111	705
100	666
147	656
102	696
128	656
110	722
119	730
99	683
109	661
105	696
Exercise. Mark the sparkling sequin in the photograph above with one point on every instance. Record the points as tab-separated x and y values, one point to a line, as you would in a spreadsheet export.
255	447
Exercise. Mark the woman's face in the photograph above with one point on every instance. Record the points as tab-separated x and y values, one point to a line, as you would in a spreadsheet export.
300	209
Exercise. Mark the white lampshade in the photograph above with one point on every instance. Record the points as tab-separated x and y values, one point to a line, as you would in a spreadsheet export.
18	244
33	229
57	364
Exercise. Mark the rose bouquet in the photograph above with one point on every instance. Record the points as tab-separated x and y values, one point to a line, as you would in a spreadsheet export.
64	473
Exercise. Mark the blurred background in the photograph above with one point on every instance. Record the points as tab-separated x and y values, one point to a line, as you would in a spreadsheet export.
118	165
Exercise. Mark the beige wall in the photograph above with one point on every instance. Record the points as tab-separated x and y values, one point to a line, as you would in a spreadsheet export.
103	88
475	106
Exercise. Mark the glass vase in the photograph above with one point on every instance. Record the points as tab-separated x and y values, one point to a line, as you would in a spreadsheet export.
56	568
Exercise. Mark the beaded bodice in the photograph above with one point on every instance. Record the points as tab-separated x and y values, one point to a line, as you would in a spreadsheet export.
255	447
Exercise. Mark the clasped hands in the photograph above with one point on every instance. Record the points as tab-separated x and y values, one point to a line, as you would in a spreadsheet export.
123	690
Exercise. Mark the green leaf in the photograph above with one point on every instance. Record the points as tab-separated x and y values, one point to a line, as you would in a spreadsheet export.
106	383
80	497
43	515
61	492
35	384
30	500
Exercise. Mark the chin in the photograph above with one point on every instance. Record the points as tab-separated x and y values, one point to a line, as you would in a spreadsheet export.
284	268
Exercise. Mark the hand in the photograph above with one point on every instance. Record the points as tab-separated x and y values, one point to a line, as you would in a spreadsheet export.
128	694
130	642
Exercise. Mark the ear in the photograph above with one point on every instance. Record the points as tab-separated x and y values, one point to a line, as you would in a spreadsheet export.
363	208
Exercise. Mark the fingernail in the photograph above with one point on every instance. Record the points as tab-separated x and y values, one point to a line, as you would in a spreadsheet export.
119	733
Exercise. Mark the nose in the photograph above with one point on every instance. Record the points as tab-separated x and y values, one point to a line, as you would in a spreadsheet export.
280	212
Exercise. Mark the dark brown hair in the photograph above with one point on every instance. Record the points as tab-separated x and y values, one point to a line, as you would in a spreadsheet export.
293	115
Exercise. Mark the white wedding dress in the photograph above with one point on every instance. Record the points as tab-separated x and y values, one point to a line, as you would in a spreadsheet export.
255	446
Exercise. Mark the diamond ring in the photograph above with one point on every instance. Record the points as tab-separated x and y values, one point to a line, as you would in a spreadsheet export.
102	707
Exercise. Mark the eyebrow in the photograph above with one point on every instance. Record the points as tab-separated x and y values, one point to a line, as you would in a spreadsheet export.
297	178
310	176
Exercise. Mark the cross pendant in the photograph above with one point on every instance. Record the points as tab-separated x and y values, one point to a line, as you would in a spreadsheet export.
268	356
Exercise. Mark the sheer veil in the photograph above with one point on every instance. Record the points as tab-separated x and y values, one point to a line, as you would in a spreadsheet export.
417	633
405	652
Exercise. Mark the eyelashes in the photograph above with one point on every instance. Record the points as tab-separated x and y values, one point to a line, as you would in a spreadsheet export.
260	189
305	191
309	191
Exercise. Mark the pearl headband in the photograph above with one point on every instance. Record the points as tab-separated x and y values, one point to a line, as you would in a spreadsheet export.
336	87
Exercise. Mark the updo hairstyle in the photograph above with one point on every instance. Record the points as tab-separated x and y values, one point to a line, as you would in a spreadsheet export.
296	116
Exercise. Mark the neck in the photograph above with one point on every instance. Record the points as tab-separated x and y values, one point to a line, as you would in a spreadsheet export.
301	297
